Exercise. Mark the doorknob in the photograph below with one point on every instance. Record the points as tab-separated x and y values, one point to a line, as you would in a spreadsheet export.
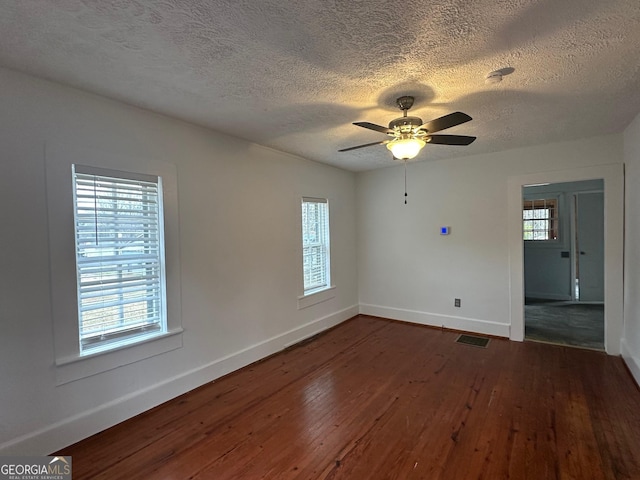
582	253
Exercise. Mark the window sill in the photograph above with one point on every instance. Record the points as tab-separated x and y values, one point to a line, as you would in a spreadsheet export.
316	297
75	367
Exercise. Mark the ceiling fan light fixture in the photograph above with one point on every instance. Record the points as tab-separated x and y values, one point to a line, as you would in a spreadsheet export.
410	134
405	148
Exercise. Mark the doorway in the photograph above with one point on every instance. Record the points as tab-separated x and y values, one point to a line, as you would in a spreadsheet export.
613	175
563	245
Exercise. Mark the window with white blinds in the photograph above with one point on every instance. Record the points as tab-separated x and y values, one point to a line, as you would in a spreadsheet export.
119	257
540	219
315	244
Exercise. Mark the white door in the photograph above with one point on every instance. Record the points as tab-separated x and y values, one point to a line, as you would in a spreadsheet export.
590	246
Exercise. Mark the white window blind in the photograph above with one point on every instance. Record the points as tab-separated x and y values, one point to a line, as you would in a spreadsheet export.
315	244
119	257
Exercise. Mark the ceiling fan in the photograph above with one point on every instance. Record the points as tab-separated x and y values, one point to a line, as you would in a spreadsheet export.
410	134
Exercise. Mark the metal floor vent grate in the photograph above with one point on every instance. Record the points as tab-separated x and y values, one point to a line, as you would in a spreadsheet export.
474	341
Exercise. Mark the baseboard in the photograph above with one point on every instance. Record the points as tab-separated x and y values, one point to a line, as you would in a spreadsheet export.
436	320
71	430
632	359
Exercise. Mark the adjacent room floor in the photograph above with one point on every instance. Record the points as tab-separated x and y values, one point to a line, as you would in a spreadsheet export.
565	323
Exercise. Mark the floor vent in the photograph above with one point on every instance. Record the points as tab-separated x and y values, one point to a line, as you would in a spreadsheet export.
474	341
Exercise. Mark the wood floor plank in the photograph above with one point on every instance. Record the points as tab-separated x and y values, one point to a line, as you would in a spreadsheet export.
180	423
378	399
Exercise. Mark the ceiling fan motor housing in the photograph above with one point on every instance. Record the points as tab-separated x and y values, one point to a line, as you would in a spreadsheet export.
405	124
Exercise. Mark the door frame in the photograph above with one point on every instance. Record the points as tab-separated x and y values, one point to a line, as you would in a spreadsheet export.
613	176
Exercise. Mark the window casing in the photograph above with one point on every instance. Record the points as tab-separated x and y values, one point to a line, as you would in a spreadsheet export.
119	244
315	245
540	219
71	361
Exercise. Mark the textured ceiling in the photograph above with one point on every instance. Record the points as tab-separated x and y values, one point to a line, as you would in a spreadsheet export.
293	75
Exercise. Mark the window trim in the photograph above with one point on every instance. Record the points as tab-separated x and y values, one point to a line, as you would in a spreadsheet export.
69	364
314	298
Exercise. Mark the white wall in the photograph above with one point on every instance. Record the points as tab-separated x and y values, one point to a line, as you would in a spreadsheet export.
239	208
631	342
408	271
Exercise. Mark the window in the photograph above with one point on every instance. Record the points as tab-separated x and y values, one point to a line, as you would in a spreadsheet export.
540	219
119	243
90	342
315	245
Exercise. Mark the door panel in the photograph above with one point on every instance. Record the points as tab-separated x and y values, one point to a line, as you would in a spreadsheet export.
590	246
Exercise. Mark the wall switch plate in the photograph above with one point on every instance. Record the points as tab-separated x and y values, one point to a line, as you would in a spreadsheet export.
456	302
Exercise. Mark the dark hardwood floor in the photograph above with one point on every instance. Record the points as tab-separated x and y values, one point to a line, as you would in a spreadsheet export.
376	399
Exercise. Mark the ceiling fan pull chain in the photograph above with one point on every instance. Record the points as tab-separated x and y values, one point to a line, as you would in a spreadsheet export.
405	182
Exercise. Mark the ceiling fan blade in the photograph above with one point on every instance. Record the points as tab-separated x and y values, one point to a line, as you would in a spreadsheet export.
448	121
449	139
365	145
373	126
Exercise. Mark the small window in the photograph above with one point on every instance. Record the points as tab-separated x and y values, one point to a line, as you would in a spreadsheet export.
119	242
315	245
540	219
